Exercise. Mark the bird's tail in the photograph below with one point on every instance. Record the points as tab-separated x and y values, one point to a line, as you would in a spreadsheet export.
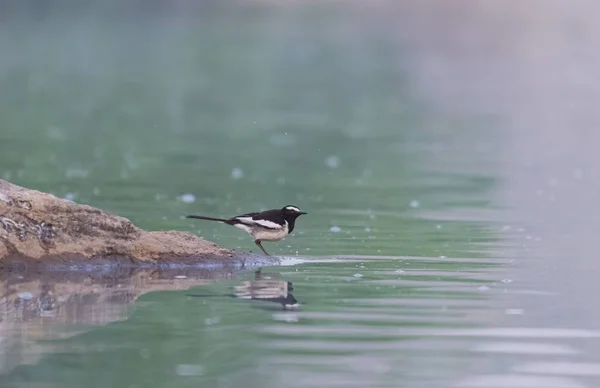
210	219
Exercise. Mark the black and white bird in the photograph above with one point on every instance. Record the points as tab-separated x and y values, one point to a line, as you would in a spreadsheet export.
270	225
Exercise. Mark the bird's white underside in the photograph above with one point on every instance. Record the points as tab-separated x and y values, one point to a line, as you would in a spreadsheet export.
262	229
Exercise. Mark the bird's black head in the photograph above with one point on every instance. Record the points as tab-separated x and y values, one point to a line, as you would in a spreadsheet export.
291	212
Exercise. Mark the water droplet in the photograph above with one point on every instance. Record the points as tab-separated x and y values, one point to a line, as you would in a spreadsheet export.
332	162
70	196
514	311
443	257
483	288
212	321
414	203
367	229
438	226
5	198
237	173
189	370
506	281
96	191
76	173
399	271
187	198
26	295
56	133
335	229
180	277
357	275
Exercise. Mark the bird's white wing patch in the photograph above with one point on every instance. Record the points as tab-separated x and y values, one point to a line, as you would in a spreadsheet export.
293	208
246	220
264	223
268	224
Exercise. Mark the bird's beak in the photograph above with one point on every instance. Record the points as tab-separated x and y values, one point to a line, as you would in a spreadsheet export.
303	213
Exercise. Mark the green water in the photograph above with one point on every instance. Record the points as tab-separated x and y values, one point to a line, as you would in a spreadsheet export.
222	110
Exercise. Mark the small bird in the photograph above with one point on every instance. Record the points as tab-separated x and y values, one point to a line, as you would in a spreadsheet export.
270	225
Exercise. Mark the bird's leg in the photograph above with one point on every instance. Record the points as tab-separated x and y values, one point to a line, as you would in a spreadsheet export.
258	242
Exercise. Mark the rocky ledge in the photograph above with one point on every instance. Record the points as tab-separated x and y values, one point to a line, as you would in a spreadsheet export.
40	228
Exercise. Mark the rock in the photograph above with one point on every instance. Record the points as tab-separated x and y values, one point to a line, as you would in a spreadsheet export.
38	227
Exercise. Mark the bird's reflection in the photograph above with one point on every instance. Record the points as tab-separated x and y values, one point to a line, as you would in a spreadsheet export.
262	288
47	305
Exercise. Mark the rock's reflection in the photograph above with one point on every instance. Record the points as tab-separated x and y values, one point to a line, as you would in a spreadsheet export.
37	306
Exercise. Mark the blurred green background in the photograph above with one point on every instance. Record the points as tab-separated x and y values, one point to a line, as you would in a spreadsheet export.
157	110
